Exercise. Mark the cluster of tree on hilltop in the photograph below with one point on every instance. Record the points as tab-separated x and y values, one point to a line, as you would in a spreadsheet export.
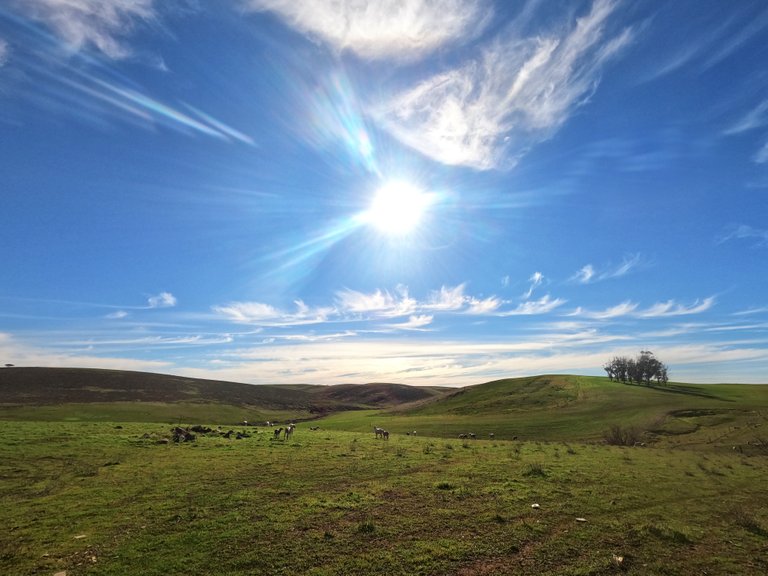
644	369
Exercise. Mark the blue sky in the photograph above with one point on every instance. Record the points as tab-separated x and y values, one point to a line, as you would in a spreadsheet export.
427	192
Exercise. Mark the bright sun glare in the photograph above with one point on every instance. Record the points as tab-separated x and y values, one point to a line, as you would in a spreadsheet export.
397	208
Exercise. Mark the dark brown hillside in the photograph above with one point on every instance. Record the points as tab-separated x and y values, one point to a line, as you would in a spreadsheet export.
54	386
375	394
41	386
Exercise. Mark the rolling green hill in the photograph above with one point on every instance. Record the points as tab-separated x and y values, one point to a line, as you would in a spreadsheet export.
546	407
579	408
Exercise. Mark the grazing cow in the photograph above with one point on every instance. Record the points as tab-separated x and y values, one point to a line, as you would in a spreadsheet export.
313	428
491	436
378	432
277	433
472	436
462	436
289	431
385	435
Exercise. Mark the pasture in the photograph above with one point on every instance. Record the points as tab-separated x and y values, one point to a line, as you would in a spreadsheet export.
104	498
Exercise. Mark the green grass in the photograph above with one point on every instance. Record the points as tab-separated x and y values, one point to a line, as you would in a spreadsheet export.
92	498
582	408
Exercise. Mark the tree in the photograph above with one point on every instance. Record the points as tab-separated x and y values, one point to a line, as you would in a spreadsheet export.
642	370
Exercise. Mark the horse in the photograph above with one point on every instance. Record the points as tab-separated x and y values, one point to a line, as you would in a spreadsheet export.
277	433
289	431
385	435
378	432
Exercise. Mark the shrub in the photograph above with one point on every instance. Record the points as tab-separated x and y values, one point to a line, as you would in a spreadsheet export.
619	436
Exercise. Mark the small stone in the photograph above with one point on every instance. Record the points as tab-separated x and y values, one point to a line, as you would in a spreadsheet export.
535	506
581	519
62	573
79	536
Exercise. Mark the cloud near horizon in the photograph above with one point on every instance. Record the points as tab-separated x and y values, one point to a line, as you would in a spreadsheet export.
384	29
487	112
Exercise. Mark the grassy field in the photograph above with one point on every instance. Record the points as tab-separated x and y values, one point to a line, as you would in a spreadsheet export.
106	498
92	488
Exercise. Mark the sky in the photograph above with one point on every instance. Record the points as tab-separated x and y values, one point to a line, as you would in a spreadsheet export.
428	192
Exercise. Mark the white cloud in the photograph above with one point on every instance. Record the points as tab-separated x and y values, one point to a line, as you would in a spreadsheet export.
584	275
761	157
658	310
489	111
162	300
671	308
541	306
588	274
382	29
447	298
380	303
484	306
99	24
755	118
416	322
617	311
536	279
4	51
119	315
744	232
23	354
266	315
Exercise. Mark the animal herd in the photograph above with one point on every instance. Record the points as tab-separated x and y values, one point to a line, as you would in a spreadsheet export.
185	434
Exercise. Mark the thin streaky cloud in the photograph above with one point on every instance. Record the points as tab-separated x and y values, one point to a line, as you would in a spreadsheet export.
543	305
536	279
672	308
761	156
4	52
489	111
384	29
259	313
91	24
751	311
746	232
658	310
588	274
755	118
623	309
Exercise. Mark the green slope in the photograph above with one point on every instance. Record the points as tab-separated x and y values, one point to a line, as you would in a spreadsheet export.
578	408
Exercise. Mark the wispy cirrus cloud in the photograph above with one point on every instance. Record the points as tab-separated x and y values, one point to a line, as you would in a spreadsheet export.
536	279
385	29
587	274
264	314
489	111
745	232
380	303
91	24
543	305
658	310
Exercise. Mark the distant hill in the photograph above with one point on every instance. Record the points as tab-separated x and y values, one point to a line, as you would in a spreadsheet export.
54	386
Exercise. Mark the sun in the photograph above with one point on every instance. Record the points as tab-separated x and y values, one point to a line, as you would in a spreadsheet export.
397	208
